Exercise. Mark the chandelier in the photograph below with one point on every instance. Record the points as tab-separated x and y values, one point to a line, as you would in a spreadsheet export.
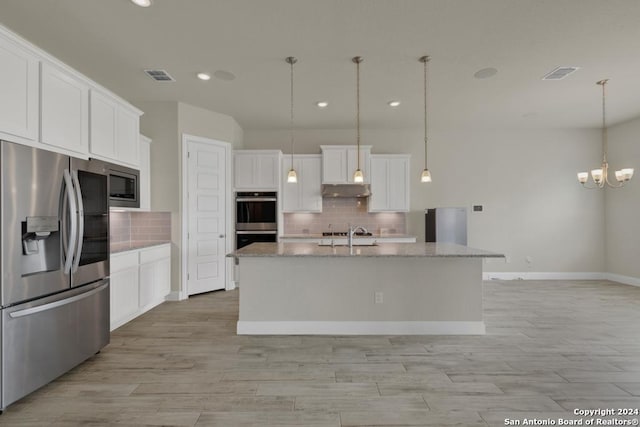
600	175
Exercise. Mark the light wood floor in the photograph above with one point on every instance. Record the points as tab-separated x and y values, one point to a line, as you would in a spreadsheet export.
551	347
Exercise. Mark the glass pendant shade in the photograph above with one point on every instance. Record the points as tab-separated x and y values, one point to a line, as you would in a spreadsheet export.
425	176
627	173
292	176
583	177
358	177
596	174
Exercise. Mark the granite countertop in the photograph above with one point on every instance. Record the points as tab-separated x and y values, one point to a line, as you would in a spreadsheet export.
132	245
415	250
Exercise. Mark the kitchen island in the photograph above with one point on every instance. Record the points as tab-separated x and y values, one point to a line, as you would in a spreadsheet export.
387	289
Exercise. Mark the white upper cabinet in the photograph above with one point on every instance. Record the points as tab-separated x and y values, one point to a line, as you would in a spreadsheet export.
114	130
64	110
256	169
305	195
145	173
390	183
19	89
46	104
339	162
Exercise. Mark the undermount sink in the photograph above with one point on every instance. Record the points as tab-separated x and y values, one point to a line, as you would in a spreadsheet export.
346	244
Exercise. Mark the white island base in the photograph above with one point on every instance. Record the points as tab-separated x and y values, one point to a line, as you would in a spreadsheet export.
360	294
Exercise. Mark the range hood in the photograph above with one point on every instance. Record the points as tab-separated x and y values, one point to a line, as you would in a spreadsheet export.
346	190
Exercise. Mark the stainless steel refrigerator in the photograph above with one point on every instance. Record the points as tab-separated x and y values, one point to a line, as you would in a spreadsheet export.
55	266
446	225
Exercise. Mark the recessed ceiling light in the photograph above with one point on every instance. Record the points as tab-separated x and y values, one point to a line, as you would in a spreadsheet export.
322	104
485	73
203	76
142	3
224	75
393	104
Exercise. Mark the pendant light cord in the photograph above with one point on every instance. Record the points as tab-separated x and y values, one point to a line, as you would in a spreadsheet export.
291	60
424	60
357	60
605	142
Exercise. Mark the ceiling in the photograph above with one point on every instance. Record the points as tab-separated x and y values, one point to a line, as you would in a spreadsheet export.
113	41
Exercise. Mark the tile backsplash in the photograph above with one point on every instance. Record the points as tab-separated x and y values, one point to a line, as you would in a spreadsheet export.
339	213
140	227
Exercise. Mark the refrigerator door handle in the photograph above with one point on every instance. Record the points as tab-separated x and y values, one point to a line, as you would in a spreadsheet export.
60	303
76	182
71	210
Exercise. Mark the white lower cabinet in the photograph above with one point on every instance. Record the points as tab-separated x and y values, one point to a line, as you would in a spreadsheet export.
124	287
140	280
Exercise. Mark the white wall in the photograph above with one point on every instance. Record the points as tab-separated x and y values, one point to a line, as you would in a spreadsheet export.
526	181
622	205
164	123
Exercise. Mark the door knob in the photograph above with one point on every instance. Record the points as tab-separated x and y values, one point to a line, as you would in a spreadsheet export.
221	236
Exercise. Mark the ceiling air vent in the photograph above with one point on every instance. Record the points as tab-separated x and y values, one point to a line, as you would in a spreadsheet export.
159	75
560	73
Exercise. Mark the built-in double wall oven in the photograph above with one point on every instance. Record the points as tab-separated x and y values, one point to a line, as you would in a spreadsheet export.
256	217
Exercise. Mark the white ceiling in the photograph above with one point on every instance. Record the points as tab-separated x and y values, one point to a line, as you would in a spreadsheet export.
112	41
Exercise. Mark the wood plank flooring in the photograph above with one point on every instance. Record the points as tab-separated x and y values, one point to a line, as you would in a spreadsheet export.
551	347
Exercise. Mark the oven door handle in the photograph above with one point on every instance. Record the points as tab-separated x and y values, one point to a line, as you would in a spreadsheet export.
257	232
256	199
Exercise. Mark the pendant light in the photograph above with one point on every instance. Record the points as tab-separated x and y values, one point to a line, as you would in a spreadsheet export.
600	176
292	176
358	176
426	175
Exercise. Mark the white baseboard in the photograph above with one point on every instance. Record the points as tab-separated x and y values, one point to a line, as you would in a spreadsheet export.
231	285
359	328
627	280
177	296
531	275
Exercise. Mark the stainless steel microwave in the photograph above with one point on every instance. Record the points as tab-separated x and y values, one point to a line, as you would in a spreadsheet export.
124	187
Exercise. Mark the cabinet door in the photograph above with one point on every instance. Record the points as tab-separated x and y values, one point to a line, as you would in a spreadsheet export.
398	176
19	89
102	126
268	171
64	110
379	200
124	294
310	187
244	170
334	166
128	137
389	183
145	173
163	278
147	283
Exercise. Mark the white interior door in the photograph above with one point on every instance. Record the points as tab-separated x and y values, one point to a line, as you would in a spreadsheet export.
206	215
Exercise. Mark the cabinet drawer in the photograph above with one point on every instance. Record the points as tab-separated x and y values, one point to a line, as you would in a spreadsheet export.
155	254
123	261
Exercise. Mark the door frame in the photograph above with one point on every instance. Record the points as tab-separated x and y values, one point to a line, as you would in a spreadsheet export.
184	256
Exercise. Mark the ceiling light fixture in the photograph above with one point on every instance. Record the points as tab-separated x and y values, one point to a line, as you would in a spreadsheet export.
393	104
426	175
358	176
600	176
292	176
142	3
204	76
322	104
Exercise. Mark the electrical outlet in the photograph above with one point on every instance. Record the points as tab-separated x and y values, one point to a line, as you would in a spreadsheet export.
529	259
379	297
